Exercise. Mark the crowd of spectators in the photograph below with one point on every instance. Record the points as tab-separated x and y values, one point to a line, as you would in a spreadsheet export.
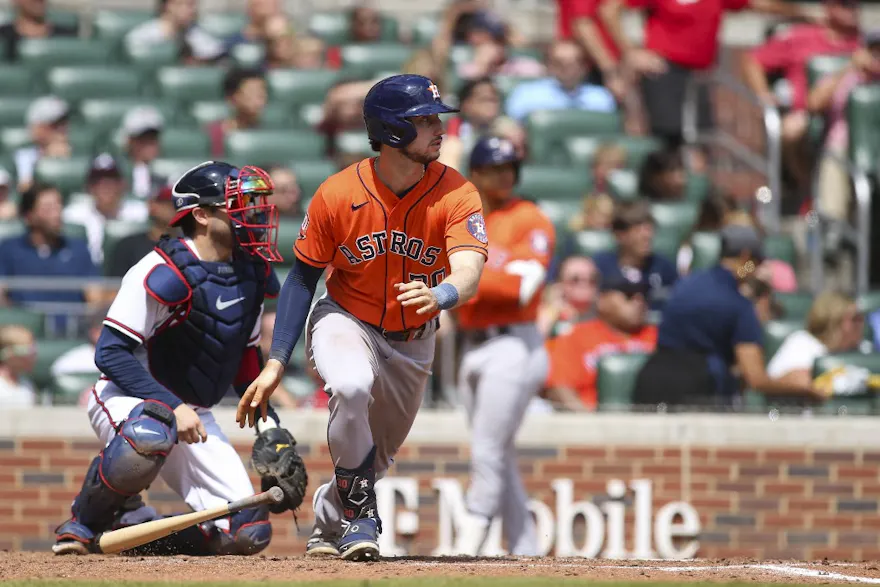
630	295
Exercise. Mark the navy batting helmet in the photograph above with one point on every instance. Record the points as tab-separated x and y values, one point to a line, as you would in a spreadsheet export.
493	151
391	102
242	193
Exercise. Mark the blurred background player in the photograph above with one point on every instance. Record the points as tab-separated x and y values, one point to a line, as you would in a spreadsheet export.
198	301
503	362
371	338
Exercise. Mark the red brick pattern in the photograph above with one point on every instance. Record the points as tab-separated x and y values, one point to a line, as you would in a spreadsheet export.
764	503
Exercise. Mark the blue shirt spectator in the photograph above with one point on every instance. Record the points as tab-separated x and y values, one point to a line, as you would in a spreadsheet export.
564	90
634	258
42	251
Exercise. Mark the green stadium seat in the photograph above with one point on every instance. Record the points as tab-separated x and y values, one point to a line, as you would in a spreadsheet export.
616	380
548	130
543	182
114	24
13	111
174	167
276	115
333	27
67	18
248	55
261	147
184	142
678	217
288	231
623	184
295	86
667	242
223	24
311	174
590	242
115	231
424	29
707	250
48	350
353	143
69	175
189	84
795	305
150	57
781	247
863	114
30	319
55	51
637	149
697	187
864	404
775	332
82	139
365	60
66	389
14	138
506	83
581	149
75	83
106	115
18	80
206	111
559	212
822	65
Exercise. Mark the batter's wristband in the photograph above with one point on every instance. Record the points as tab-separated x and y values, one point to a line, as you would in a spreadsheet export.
446	294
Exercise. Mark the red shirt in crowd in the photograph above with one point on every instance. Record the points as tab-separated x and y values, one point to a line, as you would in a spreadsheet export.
569	10
791	50
685	32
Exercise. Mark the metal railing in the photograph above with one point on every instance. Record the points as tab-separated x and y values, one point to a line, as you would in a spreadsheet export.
859	233
768	163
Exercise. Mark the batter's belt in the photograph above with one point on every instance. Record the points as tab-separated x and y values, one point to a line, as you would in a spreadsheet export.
409	334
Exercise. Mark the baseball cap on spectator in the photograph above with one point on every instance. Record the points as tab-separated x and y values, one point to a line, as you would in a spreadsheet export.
141	120
104	165
47	110
162	194
619	282
490	23
736	238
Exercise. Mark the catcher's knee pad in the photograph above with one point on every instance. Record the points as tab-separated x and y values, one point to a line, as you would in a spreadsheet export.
249	533
127	465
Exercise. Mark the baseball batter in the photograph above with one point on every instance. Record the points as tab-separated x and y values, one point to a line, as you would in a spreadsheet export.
503	358
405	237
183	329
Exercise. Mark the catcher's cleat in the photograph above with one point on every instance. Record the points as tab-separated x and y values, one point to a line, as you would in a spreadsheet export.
320	544
71	537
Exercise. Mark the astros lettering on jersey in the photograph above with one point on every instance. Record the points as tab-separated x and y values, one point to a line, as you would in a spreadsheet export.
374	239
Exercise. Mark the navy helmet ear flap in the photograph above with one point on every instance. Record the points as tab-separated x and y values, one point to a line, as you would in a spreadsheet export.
388	133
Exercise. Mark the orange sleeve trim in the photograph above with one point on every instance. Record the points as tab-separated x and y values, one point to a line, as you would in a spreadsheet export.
474	247
309	260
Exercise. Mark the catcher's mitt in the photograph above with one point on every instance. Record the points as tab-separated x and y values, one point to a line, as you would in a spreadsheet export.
275	458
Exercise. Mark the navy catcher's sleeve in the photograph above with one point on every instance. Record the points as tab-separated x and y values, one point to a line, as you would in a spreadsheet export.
293	308
113	356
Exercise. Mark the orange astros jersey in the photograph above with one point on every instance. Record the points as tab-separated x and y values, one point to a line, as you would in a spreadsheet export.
373	239
518	231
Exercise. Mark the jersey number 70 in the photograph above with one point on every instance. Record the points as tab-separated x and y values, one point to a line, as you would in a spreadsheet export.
434	280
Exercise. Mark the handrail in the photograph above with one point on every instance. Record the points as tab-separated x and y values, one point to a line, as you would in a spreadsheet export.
860	234
770	164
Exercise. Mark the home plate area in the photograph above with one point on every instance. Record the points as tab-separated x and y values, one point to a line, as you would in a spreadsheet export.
27	567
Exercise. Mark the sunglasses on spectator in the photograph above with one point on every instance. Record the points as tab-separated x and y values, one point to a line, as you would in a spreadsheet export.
579	279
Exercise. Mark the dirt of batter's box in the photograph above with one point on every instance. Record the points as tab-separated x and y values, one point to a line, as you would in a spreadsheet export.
36	565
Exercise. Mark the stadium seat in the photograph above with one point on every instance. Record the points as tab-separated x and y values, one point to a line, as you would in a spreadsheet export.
77	83
333	27
679	217
549	129
424	29
116	230
184	142
30	319
822	65
623	184
667	243
864	404
189	84
174	168
68	18
637	149
262	147
311	174
554	183
795	305
775	332
276	115
106	115
51	52
781	247
48	350
707	250
248	55
13	111
18	80
616	380
300	86
150	57
590	242
223	24
697	187
560	212
582	149
353	143
68	175
114	24
82	139
67	389
863	114
288	231
365	60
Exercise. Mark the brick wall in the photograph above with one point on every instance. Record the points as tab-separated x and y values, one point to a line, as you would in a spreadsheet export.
762	503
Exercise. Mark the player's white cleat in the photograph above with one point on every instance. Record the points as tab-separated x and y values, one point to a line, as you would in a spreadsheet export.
473	533
321	545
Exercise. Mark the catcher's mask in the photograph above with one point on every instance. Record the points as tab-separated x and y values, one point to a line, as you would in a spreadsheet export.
254	221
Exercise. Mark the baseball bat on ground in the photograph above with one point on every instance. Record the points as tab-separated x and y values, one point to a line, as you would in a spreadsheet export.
132	536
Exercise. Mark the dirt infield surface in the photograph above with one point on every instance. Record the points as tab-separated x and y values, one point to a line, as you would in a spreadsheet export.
30	567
